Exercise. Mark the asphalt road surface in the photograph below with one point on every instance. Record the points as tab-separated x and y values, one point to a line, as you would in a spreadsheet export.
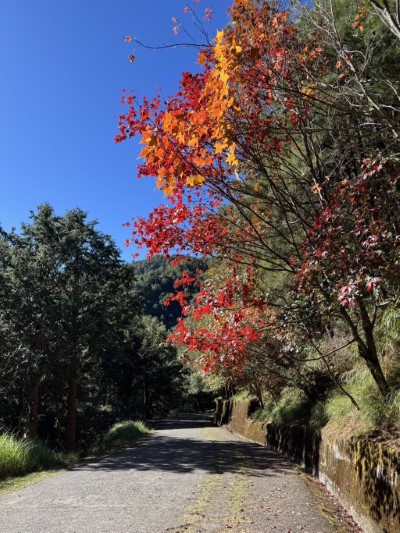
188	477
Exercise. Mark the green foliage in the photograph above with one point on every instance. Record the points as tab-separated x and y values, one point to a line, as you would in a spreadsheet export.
200	391
293	407
126	432
319	417
389	330
156	279
375	412
77	349
337	411
21	456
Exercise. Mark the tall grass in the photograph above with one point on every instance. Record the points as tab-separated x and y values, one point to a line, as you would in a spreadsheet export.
292	407
337	412
126	432
375	412
21	456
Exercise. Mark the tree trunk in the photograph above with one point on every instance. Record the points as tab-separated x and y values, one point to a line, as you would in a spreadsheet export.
376	370
367	349
71	416
33	407
147	407
371	353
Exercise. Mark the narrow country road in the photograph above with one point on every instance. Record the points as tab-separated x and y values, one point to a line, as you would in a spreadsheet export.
188	477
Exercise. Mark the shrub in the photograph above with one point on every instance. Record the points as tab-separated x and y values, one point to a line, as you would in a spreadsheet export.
21	456
125	432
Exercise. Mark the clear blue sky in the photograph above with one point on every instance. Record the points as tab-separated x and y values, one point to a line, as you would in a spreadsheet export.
62	66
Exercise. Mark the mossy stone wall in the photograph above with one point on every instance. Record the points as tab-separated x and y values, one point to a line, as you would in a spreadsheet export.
365	475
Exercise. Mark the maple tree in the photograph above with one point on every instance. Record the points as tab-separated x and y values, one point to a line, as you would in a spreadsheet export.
350	260
194	142
234	333
243	154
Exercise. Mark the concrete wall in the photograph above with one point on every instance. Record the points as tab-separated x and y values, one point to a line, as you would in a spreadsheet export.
363	474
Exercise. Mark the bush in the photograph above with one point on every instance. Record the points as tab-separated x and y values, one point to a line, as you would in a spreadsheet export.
125	432
21	456
292	407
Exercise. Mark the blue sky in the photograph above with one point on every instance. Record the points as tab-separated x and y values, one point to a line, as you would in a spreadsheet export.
63	65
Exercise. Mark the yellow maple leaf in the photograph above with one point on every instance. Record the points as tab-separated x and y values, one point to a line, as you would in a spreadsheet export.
224	77
194	141
198	179
231	159
219	37
168	121
168	187
308	91
220	146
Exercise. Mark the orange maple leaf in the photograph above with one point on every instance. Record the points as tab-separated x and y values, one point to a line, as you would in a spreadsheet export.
202	58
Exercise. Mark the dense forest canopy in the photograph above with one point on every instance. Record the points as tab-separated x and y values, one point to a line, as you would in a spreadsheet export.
79	350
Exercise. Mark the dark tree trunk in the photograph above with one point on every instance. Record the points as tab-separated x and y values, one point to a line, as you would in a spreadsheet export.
33	407
71	416
367	348
375	368
371	352
147	407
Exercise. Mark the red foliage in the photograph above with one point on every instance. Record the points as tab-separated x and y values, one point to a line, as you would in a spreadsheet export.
353	244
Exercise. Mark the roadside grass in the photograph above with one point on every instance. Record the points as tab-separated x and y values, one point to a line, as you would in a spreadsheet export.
15	483
24	461
329	407
241	395
375	413
292	406
22	456
337	413
123	433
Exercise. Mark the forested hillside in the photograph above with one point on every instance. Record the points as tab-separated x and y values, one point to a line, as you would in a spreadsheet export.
156	281
279	157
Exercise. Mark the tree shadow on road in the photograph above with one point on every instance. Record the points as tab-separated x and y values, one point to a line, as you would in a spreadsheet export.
182	454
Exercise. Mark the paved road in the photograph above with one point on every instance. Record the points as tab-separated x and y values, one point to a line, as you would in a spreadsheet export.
188	477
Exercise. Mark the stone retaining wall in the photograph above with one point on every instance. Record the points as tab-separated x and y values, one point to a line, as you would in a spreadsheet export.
363	474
